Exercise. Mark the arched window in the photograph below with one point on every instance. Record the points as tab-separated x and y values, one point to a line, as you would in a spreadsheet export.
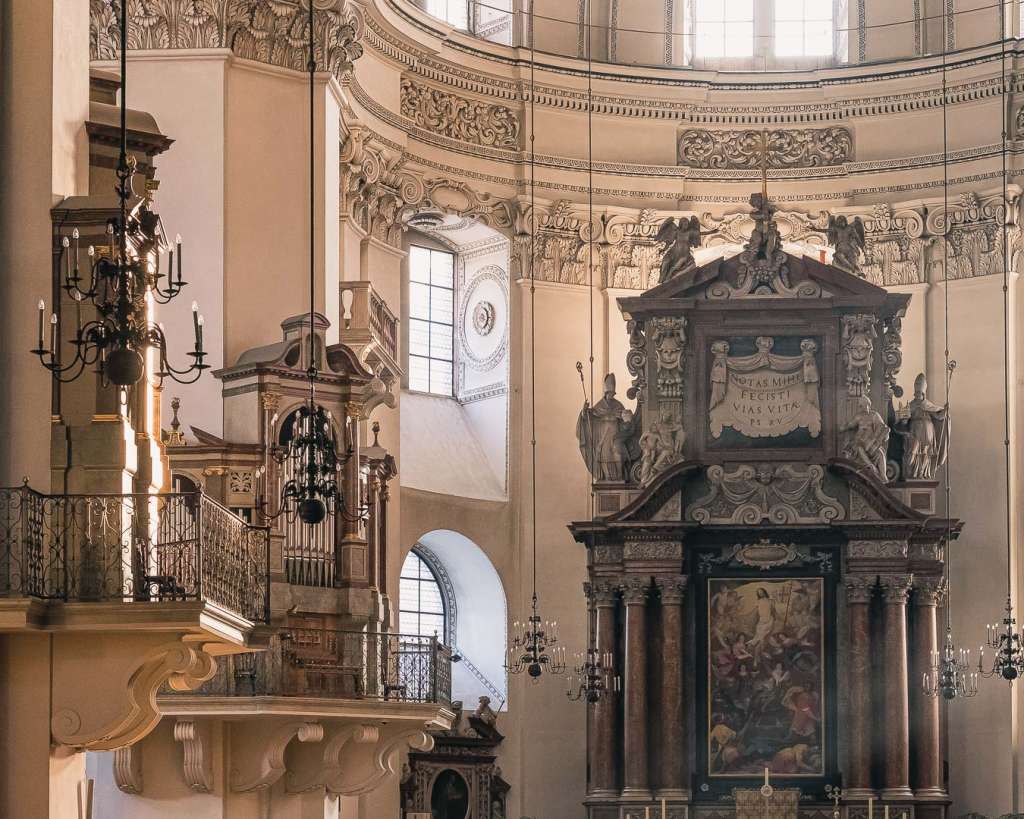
422	608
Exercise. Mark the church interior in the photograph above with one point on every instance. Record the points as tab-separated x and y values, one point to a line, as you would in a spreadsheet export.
511	409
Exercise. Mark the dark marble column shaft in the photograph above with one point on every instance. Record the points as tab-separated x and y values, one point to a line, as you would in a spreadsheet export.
636	775
674	768
859	590
895	590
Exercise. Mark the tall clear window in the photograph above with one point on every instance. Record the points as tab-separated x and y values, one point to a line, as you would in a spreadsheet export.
724	28
431	319
454	12
803	28
421	610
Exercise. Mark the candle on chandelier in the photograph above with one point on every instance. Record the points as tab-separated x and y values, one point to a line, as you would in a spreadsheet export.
66	244
177	244
53	332
42	311
74	235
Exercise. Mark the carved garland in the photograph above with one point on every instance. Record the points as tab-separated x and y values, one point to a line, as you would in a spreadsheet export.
455	117
797	148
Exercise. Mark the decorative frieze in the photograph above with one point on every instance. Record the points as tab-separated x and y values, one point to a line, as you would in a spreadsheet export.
455	117
877	549
787	148
274	32
653	550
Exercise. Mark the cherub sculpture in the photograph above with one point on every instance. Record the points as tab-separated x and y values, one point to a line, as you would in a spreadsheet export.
848	240
680	239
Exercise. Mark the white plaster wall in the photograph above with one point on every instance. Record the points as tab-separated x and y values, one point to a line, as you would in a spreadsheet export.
191	203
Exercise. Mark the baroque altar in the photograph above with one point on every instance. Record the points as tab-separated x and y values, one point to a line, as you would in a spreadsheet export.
765	561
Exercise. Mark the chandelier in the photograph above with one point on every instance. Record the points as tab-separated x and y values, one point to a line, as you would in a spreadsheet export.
1008	662
593	676
312	450
534	647
950	674
121	283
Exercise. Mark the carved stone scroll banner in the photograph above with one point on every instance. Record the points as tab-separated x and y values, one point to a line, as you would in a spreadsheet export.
459	118
796	148
764	394
748	494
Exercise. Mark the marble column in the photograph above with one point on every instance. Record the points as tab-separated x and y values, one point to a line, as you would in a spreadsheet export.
927	781
895	590
603	780
859	590
636	778
673	771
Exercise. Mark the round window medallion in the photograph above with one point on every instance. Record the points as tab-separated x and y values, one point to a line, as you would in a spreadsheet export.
483	317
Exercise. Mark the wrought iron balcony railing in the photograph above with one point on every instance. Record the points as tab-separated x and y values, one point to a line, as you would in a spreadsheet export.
321	663
132	549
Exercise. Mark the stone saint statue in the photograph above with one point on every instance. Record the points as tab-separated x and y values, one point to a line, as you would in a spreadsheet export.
680	239
848	240
867	438
485	713
925	435
607	434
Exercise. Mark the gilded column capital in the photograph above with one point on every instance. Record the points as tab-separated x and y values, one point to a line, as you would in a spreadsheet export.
635	590
860	588
672	589
895	587
929	591
270	401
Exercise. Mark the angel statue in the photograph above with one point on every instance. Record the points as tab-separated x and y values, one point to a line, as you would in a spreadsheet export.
680	239
925	434
848	240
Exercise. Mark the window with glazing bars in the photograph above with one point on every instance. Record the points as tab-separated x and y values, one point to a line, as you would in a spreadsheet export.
431	316
421	609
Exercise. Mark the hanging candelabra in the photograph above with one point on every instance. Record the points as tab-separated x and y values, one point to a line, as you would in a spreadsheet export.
534	647
593	676
1008	662
122	281
950	675
312	451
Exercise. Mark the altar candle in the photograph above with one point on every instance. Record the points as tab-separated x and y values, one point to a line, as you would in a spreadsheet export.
871	807
647	813
664	809
766	782
886	812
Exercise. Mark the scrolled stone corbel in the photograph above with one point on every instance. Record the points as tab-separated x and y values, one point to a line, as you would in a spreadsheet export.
261	759
127	768
385	762
184	665
338	753
194	741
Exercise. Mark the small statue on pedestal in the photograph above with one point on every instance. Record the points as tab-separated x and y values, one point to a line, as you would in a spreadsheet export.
868	438
607	435
925	434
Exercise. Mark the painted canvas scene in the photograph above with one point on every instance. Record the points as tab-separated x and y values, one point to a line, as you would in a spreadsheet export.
765	677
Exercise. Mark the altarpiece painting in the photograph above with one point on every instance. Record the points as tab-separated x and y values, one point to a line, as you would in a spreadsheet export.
766	677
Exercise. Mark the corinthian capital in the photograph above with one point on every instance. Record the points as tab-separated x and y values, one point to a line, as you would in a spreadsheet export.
635	590
929	591
672	589
860	588
896	587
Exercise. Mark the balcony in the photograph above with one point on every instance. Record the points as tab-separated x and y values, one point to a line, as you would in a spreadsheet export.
133	549
370	328
339	665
